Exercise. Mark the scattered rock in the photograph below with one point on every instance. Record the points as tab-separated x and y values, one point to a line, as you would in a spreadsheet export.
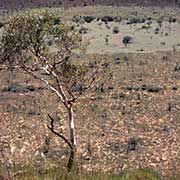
15	88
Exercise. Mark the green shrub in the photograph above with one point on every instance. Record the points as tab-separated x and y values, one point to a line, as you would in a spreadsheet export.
160	21
88	19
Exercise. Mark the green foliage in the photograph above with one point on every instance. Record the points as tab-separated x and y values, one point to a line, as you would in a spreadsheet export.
25	42
70	70
27	34
25	30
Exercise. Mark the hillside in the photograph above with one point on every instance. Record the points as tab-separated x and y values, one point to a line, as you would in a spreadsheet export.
130	122
67	3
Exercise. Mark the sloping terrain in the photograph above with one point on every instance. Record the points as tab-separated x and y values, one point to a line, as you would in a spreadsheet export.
133	123
67	3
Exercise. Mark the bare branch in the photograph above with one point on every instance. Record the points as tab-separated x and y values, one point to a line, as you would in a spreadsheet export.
51	127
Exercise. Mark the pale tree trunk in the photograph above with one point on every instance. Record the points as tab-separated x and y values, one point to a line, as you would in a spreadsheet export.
72	156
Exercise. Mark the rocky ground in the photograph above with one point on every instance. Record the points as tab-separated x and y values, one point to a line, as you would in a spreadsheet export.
134	123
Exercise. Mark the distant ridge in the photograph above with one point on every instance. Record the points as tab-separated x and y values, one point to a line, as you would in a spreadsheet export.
19	4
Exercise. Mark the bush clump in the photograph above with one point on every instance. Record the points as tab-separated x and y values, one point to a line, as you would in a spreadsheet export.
77	19
115	30
14	88
57	20
160	21
172	19
1	24
88	19
107	19
136	20
156	31
141	174
127	40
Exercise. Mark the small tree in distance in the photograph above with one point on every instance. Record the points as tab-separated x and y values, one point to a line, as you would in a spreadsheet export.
24	45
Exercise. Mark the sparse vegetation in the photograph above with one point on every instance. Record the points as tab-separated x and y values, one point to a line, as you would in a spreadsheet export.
127	40
28	51
116	30
1	24
107	19
88	19
136	20
56	173
160	21
123	123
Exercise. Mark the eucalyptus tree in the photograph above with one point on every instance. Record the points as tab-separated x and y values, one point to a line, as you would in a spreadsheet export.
42	47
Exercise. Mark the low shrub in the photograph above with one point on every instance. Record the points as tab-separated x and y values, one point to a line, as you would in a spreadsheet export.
136	20
141	174
177	67
57	21
127	40
14	88
160	21
83	30
107	19
77	19
115	30
172	19
156	31
88	19
1	24
146	27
